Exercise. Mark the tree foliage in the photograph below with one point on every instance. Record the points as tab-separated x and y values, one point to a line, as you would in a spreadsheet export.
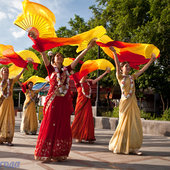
140	21
134	21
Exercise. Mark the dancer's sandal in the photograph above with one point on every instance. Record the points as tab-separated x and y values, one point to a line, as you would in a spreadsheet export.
10	144
139	153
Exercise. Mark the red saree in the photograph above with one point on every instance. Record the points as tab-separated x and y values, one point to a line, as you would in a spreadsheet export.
83	124
55	139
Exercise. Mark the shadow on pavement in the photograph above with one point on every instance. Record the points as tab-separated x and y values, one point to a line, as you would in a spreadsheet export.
5	154
141	166
84	164
90	149
23	145
156	153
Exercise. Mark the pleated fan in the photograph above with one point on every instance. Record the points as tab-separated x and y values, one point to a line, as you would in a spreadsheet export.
37	16
36	79
8	55
87	36
134	53
29	55
68	61
20	58
92	65
14	71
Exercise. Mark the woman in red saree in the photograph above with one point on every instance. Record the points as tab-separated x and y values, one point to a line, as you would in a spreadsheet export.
83	124
55	139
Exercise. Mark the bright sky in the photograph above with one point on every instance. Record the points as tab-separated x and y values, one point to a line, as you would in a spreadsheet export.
10	34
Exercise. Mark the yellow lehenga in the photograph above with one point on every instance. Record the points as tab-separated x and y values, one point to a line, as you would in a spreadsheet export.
29	123
7	113
128	135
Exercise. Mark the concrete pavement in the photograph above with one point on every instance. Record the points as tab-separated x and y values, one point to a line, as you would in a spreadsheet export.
83	156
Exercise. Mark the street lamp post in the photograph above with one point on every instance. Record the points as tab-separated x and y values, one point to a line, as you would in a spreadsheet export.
98	88
19	99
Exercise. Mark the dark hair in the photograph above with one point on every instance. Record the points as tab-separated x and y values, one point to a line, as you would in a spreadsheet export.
53	56
28	84
122	64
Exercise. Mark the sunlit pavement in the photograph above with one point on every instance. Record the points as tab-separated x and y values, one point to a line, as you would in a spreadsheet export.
155	149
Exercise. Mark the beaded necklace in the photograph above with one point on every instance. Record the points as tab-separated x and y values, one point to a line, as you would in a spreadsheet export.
123	85
59	80
30	95
8	88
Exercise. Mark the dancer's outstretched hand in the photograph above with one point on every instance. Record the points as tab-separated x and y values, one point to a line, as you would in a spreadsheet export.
108	70
153	57
92	43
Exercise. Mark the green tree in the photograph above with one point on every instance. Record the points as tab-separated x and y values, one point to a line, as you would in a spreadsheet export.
140	21
135	21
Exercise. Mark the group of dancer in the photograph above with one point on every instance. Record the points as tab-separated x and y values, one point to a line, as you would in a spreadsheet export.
55	135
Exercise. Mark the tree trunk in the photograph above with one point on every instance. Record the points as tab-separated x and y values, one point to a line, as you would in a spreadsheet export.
163	103
167	104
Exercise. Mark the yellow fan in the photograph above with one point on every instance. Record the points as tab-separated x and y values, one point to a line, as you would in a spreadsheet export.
67	61
87	36
101	64
26	55
37	16
14	71
29	55
92	65
137	48
106	39
36	79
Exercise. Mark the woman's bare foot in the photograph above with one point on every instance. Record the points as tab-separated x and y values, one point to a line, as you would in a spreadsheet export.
59	159
78	141
62	158
47	160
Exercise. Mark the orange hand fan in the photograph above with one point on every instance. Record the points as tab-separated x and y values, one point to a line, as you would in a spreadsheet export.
92	65
20	59
4	60
37	16
134	53
8	55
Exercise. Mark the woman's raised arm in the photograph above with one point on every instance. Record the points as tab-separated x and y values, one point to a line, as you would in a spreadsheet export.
81	55
117	63
153	57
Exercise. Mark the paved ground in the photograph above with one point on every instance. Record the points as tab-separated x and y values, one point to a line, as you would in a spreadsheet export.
156	154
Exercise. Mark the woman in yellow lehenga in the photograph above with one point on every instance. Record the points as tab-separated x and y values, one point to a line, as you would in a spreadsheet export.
128	135
29	123
7	112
